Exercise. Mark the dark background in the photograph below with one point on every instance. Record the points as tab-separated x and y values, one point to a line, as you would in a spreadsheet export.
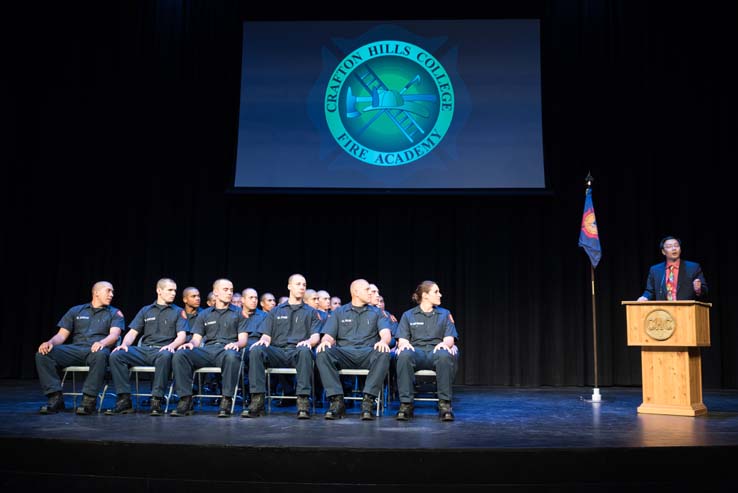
121	122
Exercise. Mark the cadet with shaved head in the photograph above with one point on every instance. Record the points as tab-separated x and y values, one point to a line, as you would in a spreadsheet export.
311	298
267	302
223	327
95	327
255	316
191	300
163	328
289	333
324	301
356	335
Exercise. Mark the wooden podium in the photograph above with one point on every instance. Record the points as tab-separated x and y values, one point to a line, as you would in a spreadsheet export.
670	334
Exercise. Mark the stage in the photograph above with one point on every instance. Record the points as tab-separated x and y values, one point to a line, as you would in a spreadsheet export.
504	439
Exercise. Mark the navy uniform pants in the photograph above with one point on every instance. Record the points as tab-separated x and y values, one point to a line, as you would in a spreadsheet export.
48	366
408	362
339	358
262	357
120	361
186	361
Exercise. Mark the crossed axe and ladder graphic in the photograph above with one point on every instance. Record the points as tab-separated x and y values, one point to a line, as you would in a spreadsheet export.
398	106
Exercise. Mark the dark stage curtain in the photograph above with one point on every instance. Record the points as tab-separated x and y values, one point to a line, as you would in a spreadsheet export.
122	121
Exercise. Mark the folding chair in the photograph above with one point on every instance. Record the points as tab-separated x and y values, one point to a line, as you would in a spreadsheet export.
285	371
216	369
425	374
381	399
74	393
149	369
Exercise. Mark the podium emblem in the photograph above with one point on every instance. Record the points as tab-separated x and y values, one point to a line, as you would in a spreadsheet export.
660	325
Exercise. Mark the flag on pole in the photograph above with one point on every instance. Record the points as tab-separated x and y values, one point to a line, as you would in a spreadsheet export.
589	238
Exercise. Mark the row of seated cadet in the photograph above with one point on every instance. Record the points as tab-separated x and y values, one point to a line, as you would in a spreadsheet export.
325	351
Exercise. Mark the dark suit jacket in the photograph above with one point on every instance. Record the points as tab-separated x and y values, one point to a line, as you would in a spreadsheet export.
688	272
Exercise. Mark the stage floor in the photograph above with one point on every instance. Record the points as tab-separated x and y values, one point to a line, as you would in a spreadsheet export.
509	438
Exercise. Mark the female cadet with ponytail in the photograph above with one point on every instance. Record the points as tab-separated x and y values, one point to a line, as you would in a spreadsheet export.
426	341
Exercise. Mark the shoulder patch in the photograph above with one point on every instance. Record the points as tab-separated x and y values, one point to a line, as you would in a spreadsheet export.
184	315
318	314
119	313
451	318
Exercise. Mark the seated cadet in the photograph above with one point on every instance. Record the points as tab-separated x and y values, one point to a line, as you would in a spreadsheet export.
223	327
163	328
285	382
324	307
348	382
237	300
267	302
393	321
95	327
191	300
254	317
289	333
356	335
324	302
210	301
393	345
426	337
311	298
335	303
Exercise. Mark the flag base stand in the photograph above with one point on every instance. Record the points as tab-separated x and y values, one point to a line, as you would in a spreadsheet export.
596	397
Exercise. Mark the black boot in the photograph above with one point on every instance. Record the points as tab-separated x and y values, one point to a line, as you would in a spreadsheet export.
54	404
184	407
444	411
256	407
123	405
337	409
303	407
225	407
406	411
367	407
156	406
88	405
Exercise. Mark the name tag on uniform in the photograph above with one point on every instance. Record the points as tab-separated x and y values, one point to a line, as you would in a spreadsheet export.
150	319
417	323
83	317
212	322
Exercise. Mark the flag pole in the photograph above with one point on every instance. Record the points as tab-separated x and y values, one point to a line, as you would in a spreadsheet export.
596	397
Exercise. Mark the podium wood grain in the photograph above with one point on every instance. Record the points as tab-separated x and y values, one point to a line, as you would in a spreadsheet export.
670	334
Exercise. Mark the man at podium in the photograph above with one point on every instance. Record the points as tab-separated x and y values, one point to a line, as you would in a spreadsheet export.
674	279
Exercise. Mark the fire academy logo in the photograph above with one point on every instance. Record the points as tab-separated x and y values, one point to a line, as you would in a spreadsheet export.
389	103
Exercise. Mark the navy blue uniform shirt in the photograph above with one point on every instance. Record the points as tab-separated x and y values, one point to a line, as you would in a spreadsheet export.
220	326
254	323
158	324
356	326
191	316
426	330
88	325
289	324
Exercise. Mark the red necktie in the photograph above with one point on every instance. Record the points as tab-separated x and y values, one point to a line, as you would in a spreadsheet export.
670	288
